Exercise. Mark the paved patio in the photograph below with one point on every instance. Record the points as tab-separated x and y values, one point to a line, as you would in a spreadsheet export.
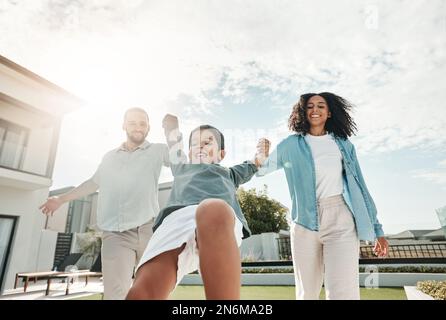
36	291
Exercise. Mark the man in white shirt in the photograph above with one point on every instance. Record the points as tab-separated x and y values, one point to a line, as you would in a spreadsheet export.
127	179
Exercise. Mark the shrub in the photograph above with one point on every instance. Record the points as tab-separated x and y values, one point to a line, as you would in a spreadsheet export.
436	289
267	270
420	269
408	269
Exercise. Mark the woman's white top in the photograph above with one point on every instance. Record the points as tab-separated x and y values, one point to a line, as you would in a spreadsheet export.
328	164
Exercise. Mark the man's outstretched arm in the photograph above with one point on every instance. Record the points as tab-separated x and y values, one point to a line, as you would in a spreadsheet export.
53	203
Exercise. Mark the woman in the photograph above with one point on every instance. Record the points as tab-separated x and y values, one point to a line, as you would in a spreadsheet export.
331	207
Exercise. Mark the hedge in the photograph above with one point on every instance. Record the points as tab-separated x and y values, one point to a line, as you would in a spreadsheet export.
408	269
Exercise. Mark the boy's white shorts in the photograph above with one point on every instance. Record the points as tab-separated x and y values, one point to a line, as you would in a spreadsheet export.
175	230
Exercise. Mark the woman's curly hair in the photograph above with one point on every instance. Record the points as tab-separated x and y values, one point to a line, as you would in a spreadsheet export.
340	123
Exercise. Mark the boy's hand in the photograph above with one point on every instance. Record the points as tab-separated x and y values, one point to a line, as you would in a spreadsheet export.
262	152
170	123
171	131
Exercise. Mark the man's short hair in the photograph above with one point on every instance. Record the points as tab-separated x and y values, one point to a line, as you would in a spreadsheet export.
135	110
217	134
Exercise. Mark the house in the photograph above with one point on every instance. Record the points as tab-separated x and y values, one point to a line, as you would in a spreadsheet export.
31	111
417	236
409	235
436	235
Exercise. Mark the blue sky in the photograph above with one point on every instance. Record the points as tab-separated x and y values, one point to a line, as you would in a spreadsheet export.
241	65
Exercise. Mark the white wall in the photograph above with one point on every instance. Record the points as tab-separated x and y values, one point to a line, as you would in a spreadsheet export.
24	251
46	250
260	247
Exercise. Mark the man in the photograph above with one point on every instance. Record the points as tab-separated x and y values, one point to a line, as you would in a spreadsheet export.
127	179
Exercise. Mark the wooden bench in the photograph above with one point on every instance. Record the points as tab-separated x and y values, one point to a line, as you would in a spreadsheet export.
27	276
69	277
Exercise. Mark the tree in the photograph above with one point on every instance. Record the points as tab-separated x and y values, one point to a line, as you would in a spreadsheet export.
262	213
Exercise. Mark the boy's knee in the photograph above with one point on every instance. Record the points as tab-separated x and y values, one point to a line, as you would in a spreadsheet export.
212	204
138	292
214	213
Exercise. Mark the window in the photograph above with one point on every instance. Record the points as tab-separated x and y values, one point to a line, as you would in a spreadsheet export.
13	140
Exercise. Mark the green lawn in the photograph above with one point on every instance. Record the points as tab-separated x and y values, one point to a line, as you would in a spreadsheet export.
274	293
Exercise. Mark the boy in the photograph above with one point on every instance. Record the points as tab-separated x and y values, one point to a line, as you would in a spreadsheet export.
202	225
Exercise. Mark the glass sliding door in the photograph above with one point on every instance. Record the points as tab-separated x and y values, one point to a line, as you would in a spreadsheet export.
7	228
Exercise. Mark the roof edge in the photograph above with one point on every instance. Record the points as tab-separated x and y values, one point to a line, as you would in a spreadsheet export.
18	68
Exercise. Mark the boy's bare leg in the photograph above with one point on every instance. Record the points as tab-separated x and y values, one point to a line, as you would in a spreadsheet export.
156	279
220	264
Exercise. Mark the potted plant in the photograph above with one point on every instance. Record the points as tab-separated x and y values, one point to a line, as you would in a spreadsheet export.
89	244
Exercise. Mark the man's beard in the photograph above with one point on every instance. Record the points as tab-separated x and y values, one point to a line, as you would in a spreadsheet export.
137	140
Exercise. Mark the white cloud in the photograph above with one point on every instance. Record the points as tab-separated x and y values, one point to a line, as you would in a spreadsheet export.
387	57
436	175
